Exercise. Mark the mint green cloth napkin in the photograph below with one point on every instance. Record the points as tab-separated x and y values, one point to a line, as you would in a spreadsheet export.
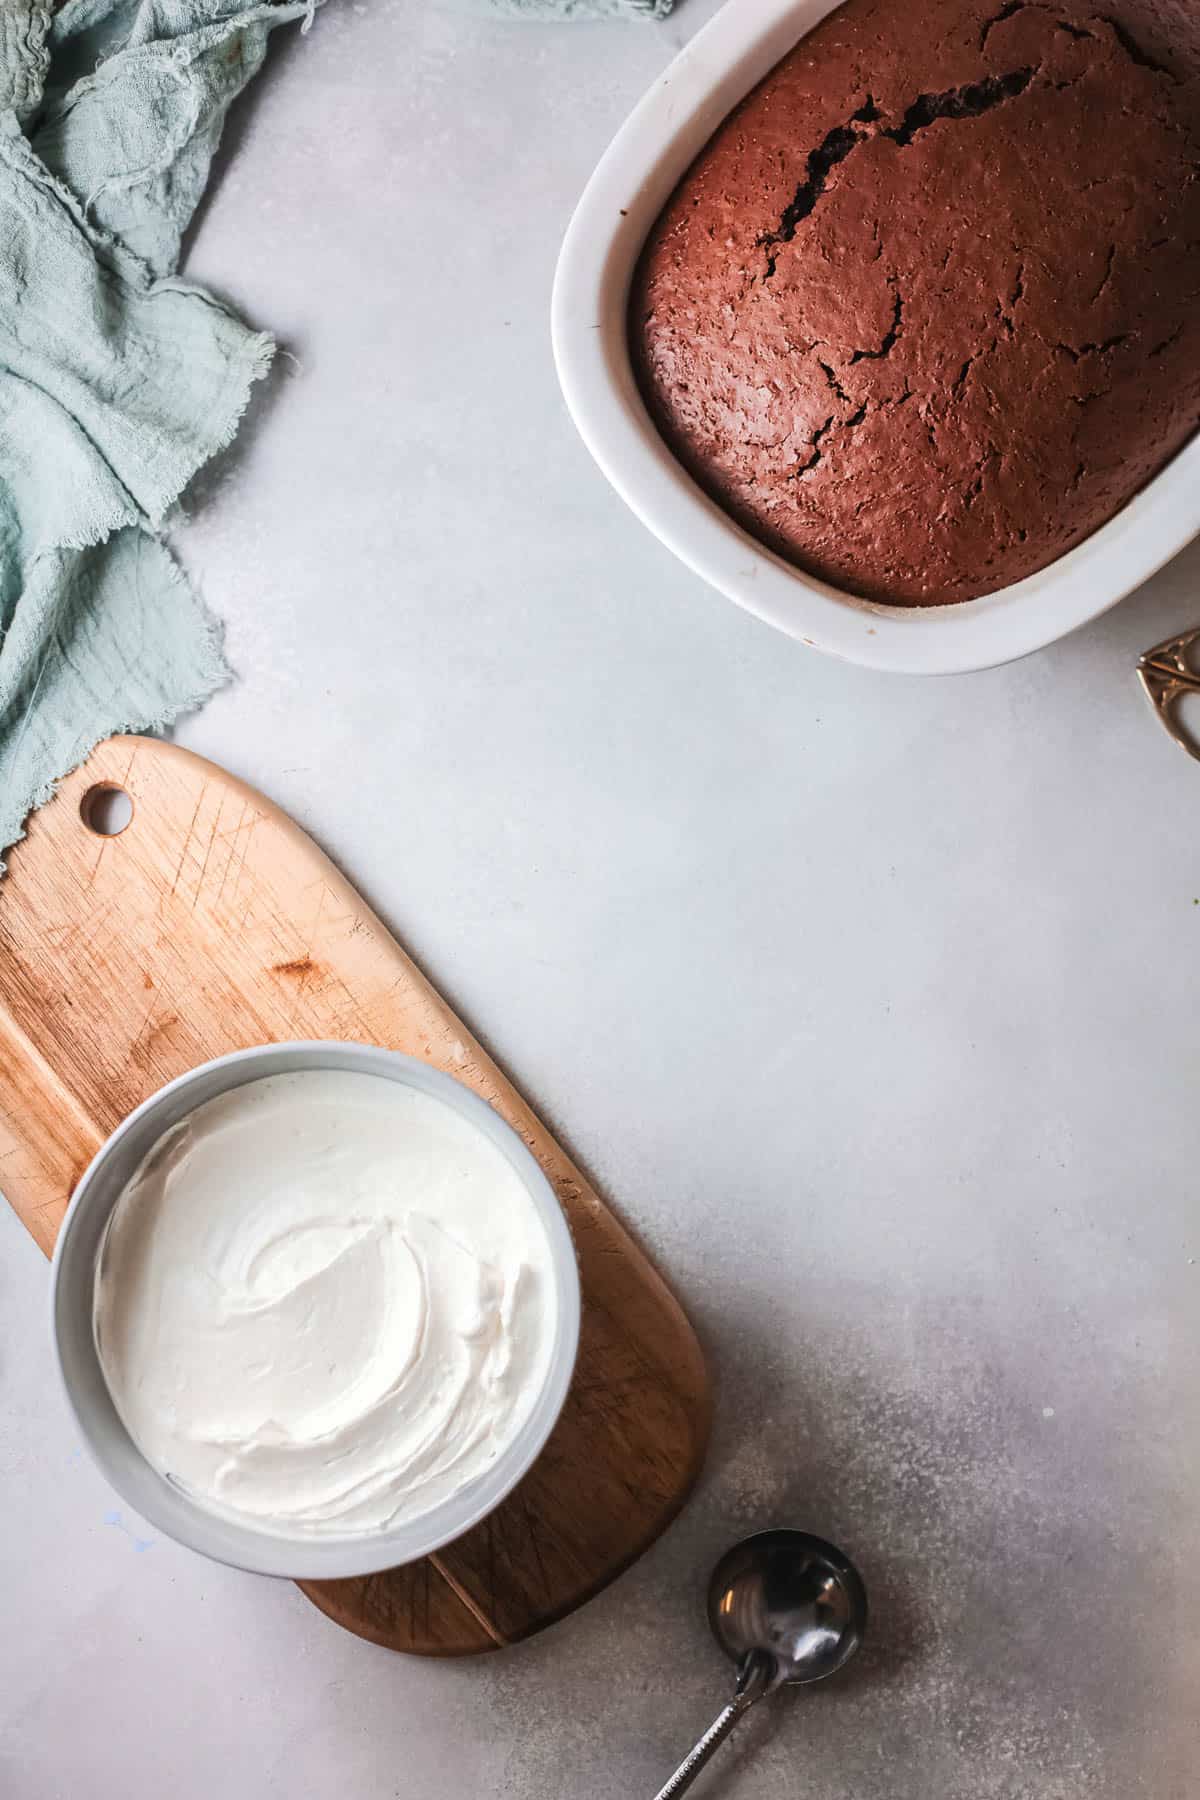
118	381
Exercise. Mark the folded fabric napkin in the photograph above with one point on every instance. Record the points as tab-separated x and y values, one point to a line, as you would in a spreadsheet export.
118	381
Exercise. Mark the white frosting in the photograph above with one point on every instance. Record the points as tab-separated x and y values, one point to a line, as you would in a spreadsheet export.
324	1303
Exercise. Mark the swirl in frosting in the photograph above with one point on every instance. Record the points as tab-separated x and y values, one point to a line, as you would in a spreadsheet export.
324	1303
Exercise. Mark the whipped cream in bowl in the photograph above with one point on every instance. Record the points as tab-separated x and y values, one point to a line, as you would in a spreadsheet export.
316	1309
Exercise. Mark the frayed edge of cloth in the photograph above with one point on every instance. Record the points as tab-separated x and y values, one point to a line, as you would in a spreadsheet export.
251	367
260	354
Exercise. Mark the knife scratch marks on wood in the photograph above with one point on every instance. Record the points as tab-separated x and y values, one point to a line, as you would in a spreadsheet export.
140	1033
230	837
312	935
535	1541
187	839
352	1009
85	938
212	838
95	868
256	820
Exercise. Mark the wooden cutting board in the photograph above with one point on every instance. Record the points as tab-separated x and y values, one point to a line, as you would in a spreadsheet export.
210	923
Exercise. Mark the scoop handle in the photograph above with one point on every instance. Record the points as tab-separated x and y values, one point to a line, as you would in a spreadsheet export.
754	1678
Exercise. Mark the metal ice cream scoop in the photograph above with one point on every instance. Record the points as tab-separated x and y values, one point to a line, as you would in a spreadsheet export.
785	1607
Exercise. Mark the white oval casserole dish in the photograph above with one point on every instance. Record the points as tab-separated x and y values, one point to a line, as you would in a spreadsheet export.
632	183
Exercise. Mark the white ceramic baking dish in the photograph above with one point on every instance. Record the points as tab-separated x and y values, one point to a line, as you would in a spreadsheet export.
625	195
262	1550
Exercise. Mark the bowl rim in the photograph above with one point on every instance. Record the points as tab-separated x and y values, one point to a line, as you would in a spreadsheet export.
169	1509
625	194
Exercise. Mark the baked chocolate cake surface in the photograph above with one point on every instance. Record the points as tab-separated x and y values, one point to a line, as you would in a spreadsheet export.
924	313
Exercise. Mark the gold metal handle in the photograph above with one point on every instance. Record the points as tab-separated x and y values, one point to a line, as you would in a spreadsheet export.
1166	676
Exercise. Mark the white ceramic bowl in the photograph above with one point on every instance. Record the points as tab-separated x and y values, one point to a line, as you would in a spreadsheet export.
149	1493
624	197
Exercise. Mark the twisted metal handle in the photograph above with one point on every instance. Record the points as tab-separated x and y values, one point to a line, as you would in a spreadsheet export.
754	1678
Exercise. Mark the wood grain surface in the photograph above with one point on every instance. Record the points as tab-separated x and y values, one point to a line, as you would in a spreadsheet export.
211	923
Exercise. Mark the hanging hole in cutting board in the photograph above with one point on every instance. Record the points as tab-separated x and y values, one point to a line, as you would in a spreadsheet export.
106	809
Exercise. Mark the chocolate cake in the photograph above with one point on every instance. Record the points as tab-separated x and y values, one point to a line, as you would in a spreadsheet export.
925	312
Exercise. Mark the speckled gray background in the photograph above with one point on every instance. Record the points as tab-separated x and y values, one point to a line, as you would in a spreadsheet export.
868	1000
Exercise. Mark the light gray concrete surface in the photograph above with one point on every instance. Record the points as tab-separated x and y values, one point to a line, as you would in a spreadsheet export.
867	1000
